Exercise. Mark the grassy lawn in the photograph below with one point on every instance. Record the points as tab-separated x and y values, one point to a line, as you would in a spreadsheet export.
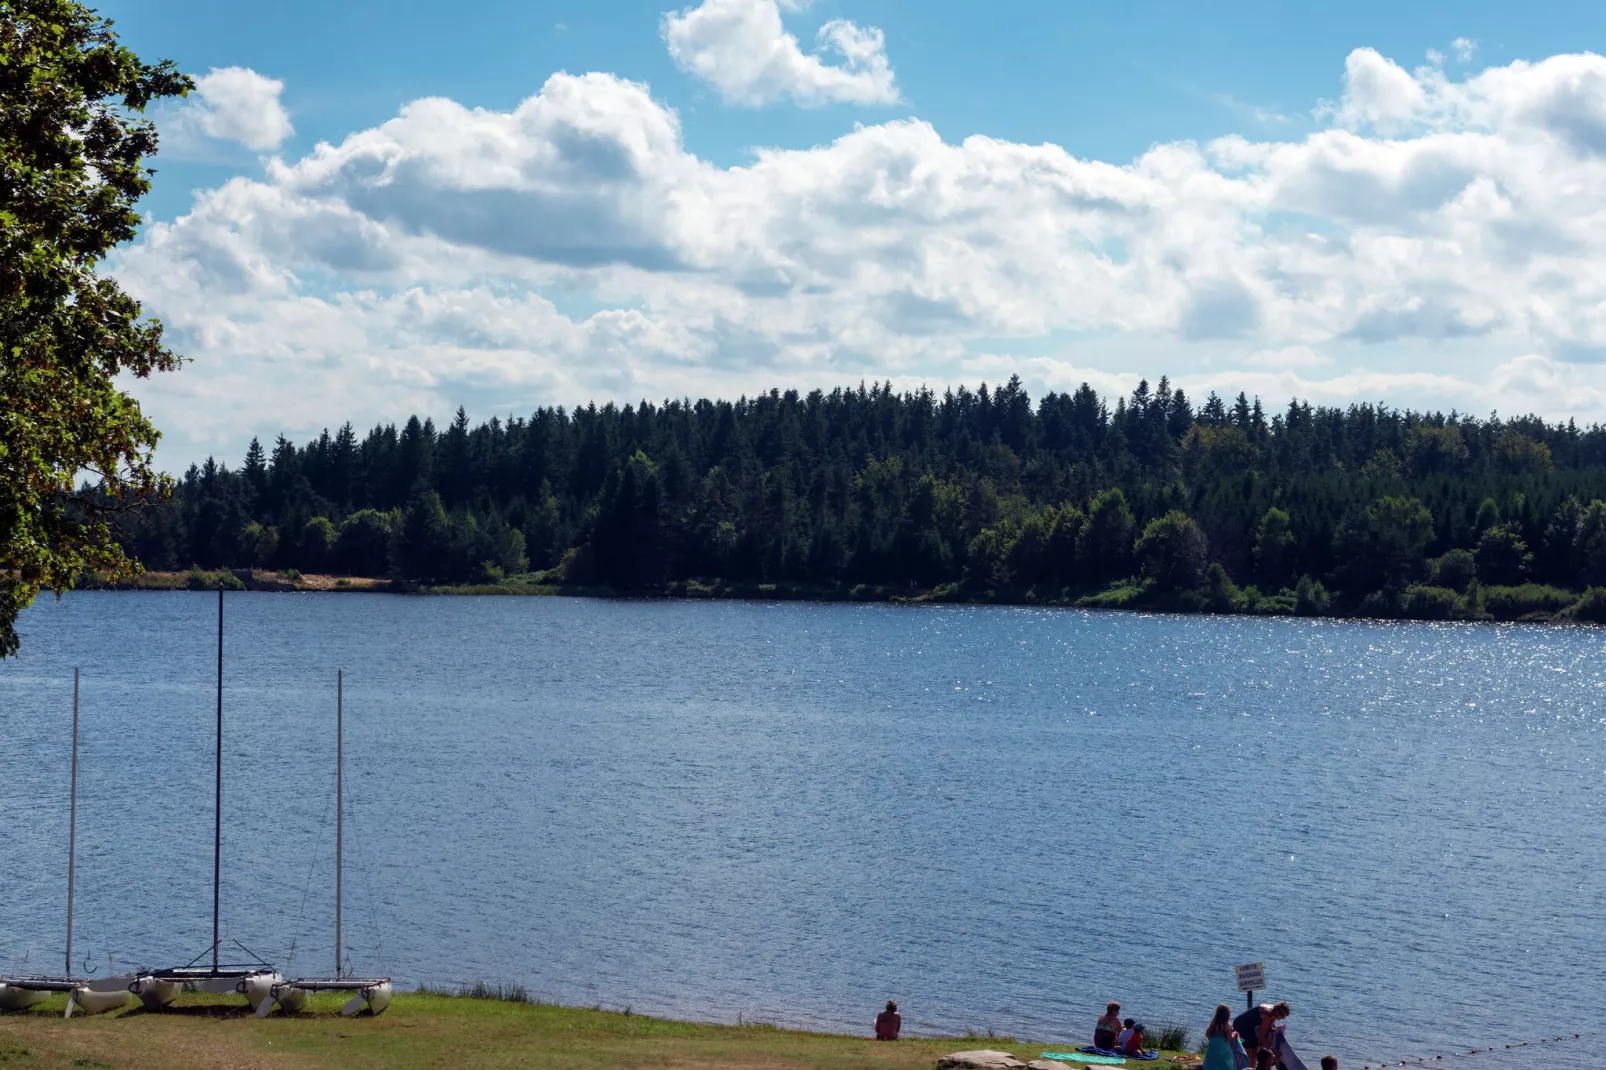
440	1031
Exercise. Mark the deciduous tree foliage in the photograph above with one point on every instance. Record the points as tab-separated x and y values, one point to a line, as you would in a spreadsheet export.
981	494
72	165
1174	552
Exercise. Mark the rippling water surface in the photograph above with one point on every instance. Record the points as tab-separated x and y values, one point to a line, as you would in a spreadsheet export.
1001	817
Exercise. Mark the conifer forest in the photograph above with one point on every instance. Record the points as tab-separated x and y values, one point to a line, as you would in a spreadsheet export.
1146	500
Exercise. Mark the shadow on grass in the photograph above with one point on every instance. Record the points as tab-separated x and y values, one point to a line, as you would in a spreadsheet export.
205	1010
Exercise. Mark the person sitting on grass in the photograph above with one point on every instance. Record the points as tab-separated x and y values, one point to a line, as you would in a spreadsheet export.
1329	1062
1124	1035
888	1022
1134	1040
1104	1033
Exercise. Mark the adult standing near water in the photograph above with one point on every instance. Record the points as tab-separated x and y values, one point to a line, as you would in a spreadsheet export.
1255	1025
1221	1047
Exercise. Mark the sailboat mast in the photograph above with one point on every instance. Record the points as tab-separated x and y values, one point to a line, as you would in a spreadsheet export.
340	802
217	827
72	821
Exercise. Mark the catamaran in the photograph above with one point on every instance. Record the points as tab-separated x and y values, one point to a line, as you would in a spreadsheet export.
86	995
254	980
372	993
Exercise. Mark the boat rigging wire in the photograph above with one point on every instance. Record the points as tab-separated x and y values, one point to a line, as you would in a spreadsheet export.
306	889
367	886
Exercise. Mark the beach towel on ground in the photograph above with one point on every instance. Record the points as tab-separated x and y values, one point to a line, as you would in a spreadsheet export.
1076	1056
1141	1056
1111	1053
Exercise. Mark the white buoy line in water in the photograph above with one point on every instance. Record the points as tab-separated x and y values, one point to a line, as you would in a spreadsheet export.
263	987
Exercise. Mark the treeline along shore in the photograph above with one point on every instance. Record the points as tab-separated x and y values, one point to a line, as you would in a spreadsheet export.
1144	501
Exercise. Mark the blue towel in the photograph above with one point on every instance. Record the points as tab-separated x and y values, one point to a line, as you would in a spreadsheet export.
1109	1053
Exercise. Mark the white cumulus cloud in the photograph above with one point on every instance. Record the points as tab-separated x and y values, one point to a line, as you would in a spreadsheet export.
1442	242
235	104
1380	93
742	49
1287	357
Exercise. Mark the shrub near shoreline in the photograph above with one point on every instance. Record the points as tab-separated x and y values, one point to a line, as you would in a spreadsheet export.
1532	603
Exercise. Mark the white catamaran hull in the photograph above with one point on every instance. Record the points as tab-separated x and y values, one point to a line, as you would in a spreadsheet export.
291	996
155	994
378	998
87	1000
292	1000
258	987
374	999
255	987
19	999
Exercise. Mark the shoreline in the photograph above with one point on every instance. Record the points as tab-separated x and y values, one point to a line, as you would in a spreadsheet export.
1509	606
430	1028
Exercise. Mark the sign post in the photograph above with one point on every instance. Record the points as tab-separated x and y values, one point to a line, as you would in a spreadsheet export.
1251	976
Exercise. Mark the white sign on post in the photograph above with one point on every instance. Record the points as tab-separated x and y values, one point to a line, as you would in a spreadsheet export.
1251	977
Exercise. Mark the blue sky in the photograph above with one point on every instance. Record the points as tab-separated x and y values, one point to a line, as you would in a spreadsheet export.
414	307
1103	80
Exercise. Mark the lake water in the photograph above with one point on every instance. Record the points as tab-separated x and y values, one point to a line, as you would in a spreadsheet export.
1002	817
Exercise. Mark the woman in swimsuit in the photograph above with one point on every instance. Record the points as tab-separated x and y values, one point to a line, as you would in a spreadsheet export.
1255	1025
1108	1028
